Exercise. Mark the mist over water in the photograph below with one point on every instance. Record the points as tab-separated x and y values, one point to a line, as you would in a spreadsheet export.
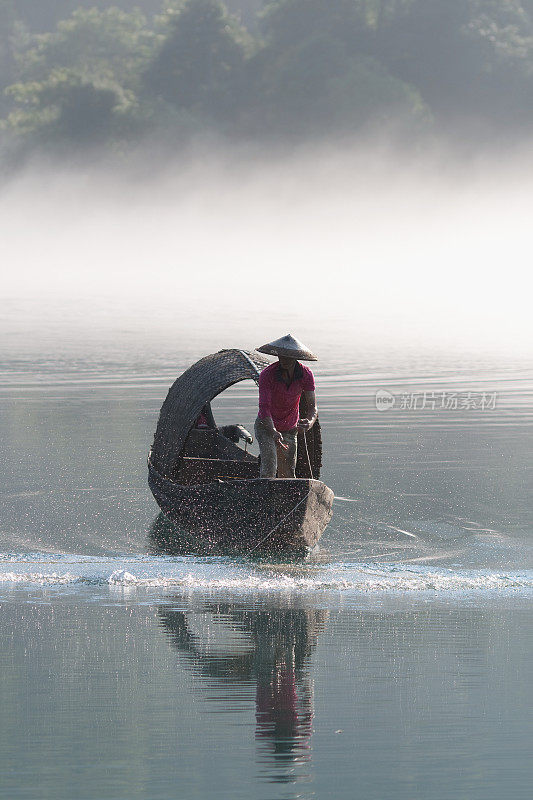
375	251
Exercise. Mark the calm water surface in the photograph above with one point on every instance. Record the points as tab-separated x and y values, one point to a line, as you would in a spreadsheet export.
394	662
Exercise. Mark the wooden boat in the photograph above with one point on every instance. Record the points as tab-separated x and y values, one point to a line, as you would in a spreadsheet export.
209	486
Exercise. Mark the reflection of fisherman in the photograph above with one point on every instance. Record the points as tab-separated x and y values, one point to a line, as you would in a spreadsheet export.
284	708
283	640
281	386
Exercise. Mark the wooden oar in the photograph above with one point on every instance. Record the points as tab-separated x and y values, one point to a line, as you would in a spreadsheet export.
307	454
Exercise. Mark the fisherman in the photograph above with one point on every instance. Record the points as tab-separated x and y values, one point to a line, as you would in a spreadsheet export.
281	385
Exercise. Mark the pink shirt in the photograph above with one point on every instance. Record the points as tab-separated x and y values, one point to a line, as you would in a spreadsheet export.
279	401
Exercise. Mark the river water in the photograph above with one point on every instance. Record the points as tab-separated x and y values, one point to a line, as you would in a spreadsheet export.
394	662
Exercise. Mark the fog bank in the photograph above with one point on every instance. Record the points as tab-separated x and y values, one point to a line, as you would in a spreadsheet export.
418	253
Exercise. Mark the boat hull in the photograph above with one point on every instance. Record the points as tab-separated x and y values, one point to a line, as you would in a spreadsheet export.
247	516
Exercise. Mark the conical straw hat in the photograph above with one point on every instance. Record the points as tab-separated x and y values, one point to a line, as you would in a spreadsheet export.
288	346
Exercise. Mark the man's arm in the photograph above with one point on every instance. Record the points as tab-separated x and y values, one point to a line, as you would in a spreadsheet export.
312	412
265	396
268	423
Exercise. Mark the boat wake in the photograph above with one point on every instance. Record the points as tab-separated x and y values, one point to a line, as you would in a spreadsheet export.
212	575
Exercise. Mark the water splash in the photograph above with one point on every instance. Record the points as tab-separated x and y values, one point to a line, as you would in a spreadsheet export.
214	575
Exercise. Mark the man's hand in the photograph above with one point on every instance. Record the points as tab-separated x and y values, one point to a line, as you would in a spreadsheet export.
304	424
276	435
278	438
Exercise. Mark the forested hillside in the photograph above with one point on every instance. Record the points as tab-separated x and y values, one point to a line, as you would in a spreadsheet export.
98	74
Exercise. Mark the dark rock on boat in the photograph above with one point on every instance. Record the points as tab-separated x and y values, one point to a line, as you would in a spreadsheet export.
209	486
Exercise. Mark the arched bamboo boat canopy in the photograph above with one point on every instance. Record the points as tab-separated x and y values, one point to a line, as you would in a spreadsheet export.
198	385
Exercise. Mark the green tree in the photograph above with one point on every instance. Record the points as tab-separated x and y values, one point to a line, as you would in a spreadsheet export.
79	82
200	63
7	25
65	107
12	39
314	76
467	57
93	44
286	23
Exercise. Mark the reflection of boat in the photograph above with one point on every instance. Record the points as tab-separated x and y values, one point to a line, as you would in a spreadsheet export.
234	650
210	486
